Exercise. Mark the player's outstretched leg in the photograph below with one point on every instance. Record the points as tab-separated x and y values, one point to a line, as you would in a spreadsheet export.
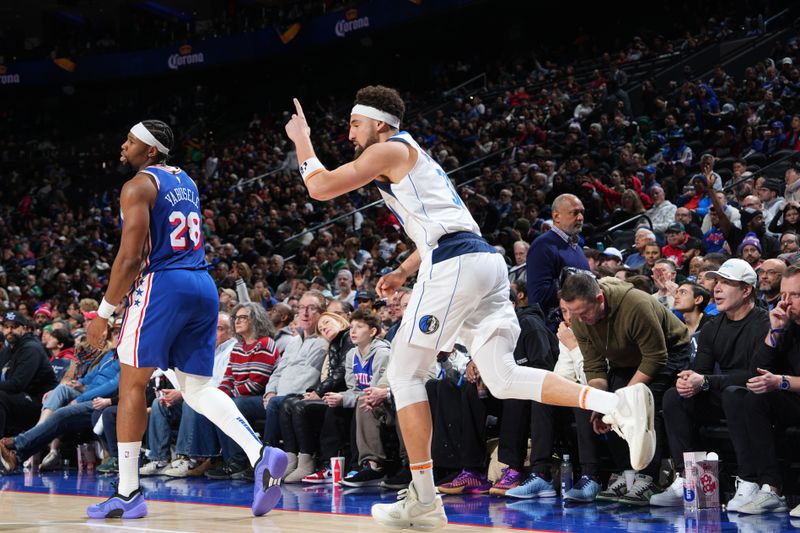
632	419
629	411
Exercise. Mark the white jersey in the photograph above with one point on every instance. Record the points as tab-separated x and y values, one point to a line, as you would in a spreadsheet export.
425	201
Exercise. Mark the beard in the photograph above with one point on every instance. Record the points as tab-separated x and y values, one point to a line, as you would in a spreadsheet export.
574	229
372	139
126	167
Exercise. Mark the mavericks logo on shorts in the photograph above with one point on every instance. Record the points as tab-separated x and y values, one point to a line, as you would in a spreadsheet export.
428	324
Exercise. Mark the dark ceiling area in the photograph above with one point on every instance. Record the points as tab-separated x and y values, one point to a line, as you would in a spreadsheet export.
75	27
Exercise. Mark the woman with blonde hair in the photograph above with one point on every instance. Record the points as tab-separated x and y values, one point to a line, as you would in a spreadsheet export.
302	416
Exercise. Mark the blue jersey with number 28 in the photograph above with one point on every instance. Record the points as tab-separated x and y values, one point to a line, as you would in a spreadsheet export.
176	229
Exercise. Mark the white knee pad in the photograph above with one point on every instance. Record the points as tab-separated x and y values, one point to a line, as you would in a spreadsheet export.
194	388
407	371
501	373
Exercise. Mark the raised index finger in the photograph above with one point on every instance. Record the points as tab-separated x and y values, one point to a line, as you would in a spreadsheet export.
298	107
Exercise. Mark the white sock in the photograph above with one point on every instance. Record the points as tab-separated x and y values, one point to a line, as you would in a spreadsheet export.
422	478
220	409
128	467
598	400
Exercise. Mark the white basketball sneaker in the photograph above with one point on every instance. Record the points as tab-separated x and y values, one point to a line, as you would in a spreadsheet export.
409	513
633	421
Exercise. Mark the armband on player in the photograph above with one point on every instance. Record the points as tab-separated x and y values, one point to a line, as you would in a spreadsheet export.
106	310
310	167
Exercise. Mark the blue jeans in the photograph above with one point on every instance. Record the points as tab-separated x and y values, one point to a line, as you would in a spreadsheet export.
69	418
60	397
109	436
197	436
272	421
159	430
252	408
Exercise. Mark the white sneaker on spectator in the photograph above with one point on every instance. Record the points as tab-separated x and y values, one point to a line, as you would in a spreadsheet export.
179	467
672	495
745	491
632	420
153	468
795	513
409	513
765	501
51	461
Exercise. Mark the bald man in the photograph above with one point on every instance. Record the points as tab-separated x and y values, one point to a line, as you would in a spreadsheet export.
552	252
684	216
770	274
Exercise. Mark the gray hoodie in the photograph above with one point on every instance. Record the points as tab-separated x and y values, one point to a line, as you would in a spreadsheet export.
299	366
378	352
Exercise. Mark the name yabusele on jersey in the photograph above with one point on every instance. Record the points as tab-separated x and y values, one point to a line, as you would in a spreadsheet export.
176	229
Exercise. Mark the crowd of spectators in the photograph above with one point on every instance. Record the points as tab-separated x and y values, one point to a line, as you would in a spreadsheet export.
554	158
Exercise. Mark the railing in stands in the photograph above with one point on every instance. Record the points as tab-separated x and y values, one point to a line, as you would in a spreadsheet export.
453	90
607	236
625	222
243	182
764	170
765	26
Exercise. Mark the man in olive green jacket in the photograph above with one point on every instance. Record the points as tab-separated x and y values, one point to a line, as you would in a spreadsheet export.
626	337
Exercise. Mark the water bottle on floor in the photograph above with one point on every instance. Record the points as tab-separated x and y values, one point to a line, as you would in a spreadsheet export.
566	475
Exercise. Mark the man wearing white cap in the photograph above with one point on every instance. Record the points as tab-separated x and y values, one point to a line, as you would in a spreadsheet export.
612	258
462	289
727	343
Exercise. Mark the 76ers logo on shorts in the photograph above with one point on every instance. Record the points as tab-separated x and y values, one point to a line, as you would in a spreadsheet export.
428	324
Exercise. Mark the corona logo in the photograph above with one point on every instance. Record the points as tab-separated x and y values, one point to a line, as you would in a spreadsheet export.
185	57
350	23
6	78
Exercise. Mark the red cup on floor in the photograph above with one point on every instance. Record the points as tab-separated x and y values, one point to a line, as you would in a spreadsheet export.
337	469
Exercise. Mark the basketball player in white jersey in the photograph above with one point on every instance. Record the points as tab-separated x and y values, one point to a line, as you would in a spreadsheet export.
461	290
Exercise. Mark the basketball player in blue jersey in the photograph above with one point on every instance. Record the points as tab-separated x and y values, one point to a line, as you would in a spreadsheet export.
461	290
170	318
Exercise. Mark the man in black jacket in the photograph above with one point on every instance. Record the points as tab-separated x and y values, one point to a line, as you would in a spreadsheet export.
770	399
728	341
26	376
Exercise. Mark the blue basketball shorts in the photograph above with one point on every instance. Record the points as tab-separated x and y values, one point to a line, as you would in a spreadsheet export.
170	322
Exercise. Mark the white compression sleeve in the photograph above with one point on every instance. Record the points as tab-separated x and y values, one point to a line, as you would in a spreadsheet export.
503	376
209	401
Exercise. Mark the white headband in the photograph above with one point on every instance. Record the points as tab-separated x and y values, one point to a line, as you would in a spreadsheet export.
377	114
143	134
